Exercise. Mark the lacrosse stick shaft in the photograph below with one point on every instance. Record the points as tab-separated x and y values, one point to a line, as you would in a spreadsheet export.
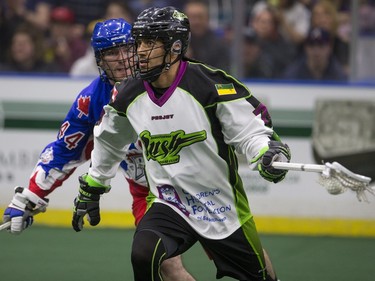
299	167
4	225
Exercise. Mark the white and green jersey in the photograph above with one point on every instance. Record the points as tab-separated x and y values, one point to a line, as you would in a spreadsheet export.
189	137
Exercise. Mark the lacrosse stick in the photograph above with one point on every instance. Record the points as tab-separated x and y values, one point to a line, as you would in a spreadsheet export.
34	212
4	225
334	177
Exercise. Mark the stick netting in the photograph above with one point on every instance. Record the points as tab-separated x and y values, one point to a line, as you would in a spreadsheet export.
337	179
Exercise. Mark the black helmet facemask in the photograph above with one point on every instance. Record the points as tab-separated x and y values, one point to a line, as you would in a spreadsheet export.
168	25
152	74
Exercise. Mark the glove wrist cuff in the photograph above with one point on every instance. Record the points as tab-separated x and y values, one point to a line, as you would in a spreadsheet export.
35	199
259	155
87	194
90	189
94	186
19	202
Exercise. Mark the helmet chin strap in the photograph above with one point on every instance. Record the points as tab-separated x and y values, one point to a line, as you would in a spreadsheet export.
153	74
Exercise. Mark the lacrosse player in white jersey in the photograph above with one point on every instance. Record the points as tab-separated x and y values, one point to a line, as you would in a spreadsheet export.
191	118
71	149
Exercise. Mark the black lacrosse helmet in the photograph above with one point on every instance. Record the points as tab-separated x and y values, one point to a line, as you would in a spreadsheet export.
167	24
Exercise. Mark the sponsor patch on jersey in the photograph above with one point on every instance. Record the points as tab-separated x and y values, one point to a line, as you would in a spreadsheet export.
225	89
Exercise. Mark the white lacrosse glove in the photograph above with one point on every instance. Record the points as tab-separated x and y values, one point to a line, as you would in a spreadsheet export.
23	206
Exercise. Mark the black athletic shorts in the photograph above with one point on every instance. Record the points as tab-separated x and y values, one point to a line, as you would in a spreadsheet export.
239	256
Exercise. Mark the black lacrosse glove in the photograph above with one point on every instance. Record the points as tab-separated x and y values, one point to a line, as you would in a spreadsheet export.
87	202
276	152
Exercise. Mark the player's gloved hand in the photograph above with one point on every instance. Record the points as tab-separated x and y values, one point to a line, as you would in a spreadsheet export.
23	206
87	202
276	152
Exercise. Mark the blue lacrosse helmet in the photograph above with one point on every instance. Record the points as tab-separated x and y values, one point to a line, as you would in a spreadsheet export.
110	33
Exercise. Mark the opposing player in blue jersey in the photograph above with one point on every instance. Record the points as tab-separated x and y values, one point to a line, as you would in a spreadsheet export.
112	43
191	118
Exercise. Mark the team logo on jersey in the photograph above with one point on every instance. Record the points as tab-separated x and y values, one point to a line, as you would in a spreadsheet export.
83	105
136	165
47	155
165	148
225	89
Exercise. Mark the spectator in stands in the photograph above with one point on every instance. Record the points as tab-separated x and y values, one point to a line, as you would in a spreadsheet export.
307	3
86	65
343	8
324	15
255	64
294	20
274	45
10	20
317	63
119	9
85	11
366	19
205	45
37	12
139	5
25	53
64	47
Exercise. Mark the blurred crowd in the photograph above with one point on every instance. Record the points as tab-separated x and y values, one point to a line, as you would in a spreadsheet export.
282	39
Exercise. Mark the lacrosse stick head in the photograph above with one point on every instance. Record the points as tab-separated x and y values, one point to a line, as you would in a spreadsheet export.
337	179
